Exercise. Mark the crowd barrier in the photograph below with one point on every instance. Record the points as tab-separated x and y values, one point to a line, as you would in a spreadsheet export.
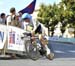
11	37
62	39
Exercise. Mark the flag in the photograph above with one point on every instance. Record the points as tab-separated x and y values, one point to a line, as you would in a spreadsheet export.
12	37
30	8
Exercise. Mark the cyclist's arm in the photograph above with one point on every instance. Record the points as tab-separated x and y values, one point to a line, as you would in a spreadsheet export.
34	27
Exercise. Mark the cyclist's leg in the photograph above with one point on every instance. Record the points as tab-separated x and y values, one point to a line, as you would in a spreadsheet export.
39	31
44	44
49	54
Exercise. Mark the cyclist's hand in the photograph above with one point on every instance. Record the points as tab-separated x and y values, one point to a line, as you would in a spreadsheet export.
33	38
32	33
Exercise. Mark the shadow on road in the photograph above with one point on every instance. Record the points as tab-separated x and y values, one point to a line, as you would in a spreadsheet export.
62	50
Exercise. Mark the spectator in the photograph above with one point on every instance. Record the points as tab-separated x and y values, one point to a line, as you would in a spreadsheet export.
20	17
3	18
17	21
11	17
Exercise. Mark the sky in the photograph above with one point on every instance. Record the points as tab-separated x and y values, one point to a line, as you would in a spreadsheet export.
5	5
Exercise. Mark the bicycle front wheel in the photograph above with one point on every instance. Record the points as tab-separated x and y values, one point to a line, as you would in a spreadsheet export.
32	50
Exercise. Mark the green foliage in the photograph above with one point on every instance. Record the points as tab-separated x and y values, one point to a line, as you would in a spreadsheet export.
63	12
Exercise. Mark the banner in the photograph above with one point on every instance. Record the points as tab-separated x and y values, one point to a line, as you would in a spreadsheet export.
14	39
61	39
14	34
3	35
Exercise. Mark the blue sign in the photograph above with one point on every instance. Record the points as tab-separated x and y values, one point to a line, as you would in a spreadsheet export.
1	36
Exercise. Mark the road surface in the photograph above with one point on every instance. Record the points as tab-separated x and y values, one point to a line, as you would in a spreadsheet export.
64	56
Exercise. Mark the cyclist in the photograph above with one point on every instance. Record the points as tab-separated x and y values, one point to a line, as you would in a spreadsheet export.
36	27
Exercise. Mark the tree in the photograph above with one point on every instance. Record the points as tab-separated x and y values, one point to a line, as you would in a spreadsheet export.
48	16
70	4
44	14
63	12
